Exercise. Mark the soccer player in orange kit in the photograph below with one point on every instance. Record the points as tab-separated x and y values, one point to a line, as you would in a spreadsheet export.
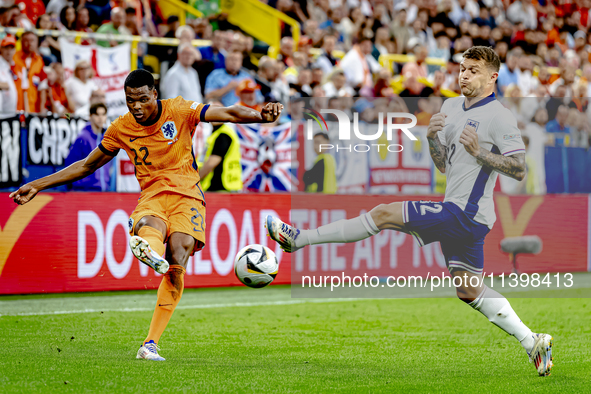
157	136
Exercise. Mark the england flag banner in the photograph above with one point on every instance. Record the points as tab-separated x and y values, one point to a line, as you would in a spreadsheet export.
110	65
266	157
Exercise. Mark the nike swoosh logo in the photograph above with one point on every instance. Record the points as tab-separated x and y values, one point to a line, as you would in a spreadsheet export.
164	304
133	139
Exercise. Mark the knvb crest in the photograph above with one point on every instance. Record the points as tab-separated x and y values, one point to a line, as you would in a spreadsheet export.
169	130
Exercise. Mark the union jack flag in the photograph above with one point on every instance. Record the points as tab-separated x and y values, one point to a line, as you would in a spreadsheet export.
266	157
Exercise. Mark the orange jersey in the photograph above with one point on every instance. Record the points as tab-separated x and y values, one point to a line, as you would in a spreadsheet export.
33	69
161	152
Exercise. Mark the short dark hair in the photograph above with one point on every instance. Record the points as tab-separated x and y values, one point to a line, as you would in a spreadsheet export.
323	135
94	108
138	78
130	10
487	54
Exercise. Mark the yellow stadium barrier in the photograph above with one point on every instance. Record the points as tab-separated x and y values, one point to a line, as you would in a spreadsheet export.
260	21
172	7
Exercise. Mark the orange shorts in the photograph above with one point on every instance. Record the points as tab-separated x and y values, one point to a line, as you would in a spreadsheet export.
181	214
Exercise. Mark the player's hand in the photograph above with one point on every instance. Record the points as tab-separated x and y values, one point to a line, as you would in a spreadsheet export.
436	124
271	112
469	139
24	194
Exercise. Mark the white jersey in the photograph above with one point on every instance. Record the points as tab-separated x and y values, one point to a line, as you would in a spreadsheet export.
469	184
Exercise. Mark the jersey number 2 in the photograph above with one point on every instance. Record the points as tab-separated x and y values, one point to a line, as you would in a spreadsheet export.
436	208
452	149
144	159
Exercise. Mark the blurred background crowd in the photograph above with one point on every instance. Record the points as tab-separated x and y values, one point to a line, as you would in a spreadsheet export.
371	49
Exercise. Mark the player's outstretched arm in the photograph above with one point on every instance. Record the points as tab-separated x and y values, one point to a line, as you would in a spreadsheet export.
80	169
436	148
240	114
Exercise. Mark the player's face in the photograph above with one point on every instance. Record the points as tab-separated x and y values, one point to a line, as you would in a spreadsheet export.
475	78
142	103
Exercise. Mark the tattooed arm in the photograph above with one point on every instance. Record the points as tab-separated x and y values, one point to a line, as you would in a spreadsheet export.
512	166
436	148
438	153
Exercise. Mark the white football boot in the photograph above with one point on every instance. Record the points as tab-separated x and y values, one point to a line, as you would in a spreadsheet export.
141	249
282	233
149	351
541	354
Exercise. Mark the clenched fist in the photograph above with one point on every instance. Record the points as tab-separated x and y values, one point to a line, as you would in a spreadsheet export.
436	124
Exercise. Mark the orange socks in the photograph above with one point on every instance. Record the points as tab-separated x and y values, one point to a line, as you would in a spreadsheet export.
169	295
154	238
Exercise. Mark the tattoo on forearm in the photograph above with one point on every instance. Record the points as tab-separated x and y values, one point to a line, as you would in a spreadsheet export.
438	153
512	166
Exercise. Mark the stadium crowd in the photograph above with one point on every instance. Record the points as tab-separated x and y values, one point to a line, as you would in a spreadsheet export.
343	51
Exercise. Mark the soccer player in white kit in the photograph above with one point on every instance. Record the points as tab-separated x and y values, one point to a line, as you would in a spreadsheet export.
471	140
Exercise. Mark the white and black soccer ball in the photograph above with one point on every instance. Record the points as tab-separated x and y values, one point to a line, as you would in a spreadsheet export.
256	266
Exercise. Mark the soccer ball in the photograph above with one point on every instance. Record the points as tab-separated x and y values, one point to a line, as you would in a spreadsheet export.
256	266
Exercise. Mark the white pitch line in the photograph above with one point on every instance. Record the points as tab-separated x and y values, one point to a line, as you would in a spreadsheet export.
202	306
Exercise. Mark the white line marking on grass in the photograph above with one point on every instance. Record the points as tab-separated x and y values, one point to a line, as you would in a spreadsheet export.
202	306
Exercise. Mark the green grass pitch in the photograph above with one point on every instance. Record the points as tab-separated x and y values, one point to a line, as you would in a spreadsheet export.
263	341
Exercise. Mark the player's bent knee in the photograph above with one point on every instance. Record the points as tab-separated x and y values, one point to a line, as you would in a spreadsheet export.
151	221
181	247
388	216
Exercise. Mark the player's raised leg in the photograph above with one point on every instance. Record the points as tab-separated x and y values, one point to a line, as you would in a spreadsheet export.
382	217
498	310
148	243
180	247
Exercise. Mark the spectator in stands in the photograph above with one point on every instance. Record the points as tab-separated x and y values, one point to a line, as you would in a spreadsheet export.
222	83
508	74
116	27
560	131
567	78
326	60
80	86
523	12
49	47
536	132
400	31
413	71
182	79
68	18
221	169
12	17
358	64
321	178
57	100
383	86
286	51
88	140
337	84
28	68
55	6
273	88
8	93
246	92
33	9
301	87
213	53
82	21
